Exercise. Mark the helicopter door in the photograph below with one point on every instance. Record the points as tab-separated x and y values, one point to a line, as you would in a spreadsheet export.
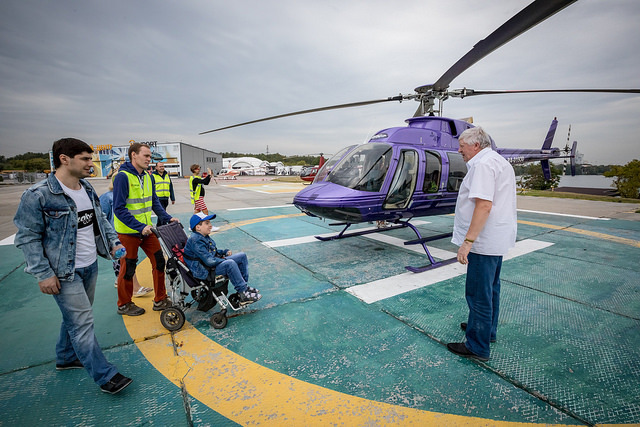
432	173
457	171
404	181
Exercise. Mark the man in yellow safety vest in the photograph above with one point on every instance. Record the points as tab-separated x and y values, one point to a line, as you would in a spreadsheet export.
164	187
134	198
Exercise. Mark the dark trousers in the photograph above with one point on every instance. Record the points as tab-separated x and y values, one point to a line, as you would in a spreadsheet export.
164	201
483	298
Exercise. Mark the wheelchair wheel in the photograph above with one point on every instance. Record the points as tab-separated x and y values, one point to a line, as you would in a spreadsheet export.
219	320
172	318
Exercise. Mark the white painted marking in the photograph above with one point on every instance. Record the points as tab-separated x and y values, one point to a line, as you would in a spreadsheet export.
309	239
262	207
394	241
249	189
559	214
7	241
405	282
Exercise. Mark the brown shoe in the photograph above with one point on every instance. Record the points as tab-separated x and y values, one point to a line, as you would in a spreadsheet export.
461	349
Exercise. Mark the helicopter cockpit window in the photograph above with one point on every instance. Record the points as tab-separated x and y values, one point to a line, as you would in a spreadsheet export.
432	173
404	181
457	171
364	168
329	164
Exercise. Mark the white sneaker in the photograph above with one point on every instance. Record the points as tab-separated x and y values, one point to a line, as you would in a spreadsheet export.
214	228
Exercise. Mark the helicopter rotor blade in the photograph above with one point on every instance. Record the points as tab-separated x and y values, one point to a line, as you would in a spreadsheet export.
527	18
463	93
399	98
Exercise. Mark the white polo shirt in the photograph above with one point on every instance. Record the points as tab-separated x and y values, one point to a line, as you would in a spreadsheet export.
489	177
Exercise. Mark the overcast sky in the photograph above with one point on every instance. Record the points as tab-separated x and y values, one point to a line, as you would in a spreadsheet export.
111	71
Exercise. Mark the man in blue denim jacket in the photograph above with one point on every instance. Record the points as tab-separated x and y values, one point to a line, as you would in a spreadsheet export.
61	230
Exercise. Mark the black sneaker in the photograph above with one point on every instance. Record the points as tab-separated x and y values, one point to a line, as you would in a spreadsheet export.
116	384
463	326
252	290
246	297
161	305
76	364
130	309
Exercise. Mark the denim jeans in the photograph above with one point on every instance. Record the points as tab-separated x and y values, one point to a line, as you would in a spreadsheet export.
483	298
236	267
77	338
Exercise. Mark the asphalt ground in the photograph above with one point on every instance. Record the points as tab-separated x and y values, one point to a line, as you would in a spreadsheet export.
344	335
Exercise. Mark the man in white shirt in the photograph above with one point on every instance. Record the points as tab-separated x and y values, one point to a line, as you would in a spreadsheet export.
485	228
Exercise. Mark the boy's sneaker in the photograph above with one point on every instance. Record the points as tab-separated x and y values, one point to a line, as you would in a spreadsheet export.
116	384
246	297
161	305
252	290
76	364
130	309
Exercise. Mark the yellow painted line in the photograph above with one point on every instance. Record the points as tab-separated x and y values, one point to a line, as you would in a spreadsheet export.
603	236
257	220
248	393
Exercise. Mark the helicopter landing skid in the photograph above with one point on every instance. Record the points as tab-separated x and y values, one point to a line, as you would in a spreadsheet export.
342	235
399	224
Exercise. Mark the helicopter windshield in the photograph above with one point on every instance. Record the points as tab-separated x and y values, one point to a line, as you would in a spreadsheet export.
326	168
364	168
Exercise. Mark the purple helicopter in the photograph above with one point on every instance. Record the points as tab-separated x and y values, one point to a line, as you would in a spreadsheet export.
413	171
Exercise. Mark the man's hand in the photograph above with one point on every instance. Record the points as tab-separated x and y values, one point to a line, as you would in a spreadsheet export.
173	202
174	220
50	286
229	253
146	231
463	252
113	251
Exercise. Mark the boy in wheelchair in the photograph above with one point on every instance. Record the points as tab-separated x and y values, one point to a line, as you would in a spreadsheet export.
206	261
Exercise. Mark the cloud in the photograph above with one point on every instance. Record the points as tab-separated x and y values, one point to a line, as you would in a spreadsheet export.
114	71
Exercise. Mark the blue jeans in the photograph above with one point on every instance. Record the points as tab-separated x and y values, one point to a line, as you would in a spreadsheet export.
77	338
236	268
483	298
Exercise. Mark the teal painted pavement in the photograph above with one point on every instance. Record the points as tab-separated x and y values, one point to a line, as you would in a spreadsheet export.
568	347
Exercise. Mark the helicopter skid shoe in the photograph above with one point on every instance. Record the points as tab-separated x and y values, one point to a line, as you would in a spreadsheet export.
433	266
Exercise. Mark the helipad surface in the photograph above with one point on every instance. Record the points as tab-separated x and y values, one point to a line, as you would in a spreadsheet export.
344	335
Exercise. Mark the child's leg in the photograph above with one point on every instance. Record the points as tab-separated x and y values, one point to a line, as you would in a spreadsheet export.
229	268
241	260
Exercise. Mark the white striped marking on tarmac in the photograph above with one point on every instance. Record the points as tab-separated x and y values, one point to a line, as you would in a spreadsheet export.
405	282
309	239
560	214
261	207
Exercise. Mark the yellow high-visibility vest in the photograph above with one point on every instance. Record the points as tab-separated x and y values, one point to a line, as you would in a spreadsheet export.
195	194
162	185
139	202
